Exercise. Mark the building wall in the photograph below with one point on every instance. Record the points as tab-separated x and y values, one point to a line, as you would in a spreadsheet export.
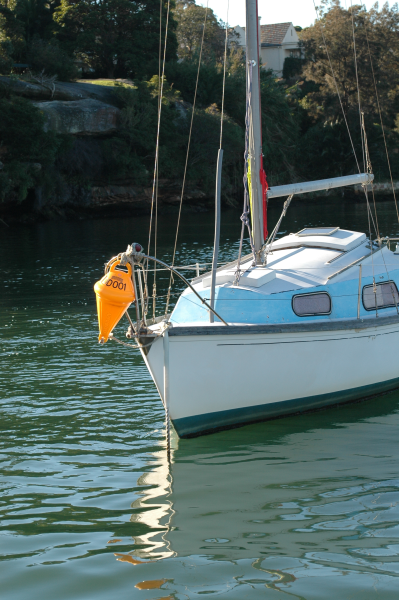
273	57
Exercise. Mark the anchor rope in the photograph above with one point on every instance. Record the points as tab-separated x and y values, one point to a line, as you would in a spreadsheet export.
138	346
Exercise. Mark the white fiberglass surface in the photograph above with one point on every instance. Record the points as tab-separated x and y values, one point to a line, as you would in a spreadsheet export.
341	239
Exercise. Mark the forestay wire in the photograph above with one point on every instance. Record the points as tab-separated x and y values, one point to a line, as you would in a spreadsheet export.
187	155
154	198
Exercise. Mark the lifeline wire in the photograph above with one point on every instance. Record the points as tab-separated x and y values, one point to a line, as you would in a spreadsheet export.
187	155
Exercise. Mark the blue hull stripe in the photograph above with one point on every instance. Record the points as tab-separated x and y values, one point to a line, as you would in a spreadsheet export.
207	423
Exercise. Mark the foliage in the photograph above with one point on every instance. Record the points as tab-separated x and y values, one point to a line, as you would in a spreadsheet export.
25	149
204	150
50	57
12	40
133	146
190	26
280	132
377	40
119	38
292	66
325	148
35	18
304	131
6	60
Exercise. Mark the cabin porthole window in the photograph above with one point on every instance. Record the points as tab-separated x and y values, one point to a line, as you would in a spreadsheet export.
311	305
385	293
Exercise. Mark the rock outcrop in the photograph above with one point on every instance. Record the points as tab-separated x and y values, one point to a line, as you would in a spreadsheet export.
67	92
79	117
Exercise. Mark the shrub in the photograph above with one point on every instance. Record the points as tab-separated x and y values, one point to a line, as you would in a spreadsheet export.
25	149
292	66
48	56
5	56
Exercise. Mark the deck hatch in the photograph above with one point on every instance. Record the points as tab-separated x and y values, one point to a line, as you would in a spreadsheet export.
317	231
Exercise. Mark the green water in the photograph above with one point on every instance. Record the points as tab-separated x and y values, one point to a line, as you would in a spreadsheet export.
303	507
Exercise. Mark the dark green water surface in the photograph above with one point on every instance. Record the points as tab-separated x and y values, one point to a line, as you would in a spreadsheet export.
303	507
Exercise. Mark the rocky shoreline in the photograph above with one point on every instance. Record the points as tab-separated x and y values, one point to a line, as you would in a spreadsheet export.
89	114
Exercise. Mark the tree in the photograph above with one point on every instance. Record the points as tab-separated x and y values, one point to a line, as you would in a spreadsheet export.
190	20
12	39
325	148
375	30
119	38
36	18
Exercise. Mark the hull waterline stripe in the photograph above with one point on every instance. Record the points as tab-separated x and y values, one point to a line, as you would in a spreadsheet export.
211	422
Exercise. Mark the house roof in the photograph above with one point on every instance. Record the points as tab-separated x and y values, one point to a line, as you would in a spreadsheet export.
273	34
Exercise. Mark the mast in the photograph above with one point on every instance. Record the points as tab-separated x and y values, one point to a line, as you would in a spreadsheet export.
255	133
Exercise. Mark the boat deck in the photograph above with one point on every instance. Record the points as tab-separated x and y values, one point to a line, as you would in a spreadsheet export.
308	262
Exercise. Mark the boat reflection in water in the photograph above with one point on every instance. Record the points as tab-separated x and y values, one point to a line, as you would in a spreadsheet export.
286	494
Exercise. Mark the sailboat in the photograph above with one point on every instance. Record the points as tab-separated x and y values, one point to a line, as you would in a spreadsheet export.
304	321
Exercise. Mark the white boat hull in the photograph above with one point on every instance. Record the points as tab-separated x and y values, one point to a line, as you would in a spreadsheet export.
219	380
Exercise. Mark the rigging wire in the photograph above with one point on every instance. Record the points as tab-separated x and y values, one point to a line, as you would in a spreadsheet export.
366	161
369	170
358	87
382	124
154	288
344	115
268	247
154	198
245	215
335	83
363	136
224	73
187	155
